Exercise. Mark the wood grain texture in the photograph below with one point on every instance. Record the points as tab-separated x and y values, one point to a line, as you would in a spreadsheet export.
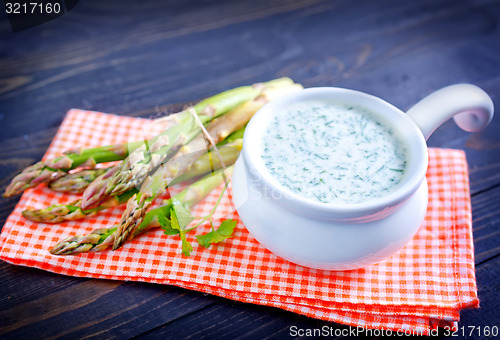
149	58
101	309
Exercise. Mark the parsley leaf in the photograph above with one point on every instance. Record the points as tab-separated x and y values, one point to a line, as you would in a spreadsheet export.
187	248
182	214
184	221
224	231
166	225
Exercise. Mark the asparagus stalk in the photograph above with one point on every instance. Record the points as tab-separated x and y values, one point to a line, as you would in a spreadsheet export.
157	183
229	152
50	170
100	239
134	170
70	212
58	213
77	182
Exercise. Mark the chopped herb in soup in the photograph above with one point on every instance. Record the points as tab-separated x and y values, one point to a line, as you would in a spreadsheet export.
333	153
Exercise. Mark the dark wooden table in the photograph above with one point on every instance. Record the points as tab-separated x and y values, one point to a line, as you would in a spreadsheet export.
137	58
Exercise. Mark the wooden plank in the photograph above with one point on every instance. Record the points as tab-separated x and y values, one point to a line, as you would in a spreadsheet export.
99	67
99	308
19	289
231	320
485	222
475	321
159	81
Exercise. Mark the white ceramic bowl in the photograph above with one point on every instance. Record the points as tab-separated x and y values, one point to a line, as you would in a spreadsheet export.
348	236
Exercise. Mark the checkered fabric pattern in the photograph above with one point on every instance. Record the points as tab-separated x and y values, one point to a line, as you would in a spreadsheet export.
423	286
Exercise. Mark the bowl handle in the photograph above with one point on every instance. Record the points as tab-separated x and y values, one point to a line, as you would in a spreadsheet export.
470	107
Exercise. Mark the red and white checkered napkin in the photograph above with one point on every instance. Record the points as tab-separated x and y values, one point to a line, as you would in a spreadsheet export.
424	286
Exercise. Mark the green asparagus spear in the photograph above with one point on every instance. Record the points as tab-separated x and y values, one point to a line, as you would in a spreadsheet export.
135	168
50	170
58	213
77	182
100	239
229	151
193	167
70	212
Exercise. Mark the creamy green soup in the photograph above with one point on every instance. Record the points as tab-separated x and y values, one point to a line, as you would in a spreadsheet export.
333	153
